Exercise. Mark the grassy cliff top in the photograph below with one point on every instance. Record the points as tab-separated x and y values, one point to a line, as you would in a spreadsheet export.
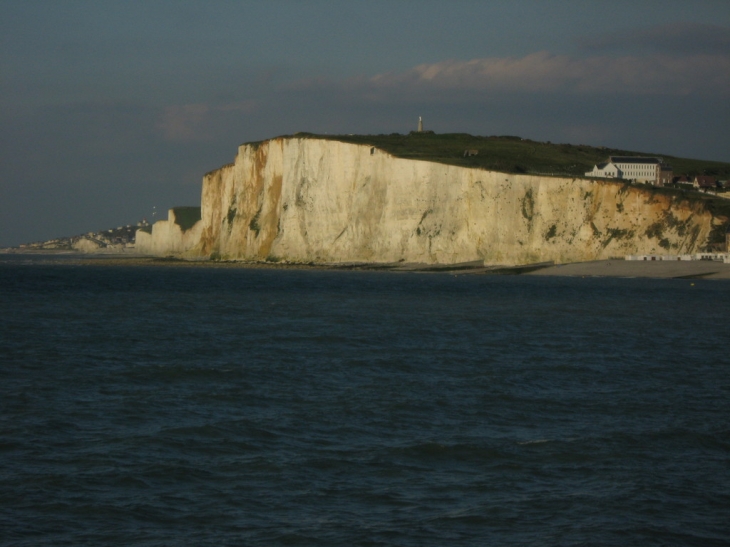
513	154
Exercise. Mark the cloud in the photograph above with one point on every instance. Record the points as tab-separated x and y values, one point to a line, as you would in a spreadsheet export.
183	122
675	38
193	122
543	72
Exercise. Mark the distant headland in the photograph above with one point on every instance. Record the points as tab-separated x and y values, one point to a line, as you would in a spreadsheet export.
435	199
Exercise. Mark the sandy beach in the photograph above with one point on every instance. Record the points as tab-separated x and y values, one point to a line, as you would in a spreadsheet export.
633	268
704	269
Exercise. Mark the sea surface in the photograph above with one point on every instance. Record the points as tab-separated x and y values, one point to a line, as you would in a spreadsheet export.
158	406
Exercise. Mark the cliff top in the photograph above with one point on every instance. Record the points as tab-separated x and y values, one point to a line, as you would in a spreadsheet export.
510	154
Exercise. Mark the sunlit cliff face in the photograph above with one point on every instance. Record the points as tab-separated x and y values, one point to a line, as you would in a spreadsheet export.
313	200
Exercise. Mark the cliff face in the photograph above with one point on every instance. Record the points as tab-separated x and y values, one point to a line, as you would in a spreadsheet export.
327	201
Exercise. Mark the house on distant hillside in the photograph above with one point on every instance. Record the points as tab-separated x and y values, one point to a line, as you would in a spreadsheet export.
633	168
704	182
666	175
606	170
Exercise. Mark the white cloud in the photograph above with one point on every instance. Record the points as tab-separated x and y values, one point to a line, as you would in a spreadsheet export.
543	72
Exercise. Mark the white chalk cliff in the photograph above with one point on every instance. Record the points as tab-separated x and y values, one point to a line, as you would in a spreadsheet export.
317	200
168	237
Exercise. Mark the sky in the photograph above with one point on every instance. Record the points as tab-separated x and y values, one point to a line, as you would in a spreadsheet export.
112	111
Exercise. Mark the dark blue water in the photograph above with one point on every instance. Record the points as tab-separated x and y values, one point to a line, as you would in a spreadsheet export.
201	406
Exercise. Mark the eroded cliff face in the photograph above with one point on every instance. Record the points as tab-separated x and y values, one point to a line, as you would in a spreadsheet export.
169	238
326	201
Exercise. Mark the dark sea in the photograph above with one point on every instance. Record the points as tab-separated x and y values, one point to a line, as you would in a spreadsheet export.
165	406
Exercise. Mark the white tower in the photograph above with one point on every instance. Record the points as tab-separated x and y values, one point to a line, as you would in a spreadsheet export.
420	124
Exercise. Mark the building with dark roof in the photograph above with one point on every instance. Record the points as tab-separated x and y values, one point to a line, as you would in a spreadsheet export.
705	182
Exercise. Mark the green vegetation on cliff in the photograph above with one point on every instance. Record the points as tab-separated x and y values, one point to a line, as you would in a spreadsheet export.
510	154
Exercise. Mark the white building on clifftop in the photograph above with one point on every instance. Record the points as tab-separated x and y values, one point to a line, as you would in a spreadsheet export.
633	168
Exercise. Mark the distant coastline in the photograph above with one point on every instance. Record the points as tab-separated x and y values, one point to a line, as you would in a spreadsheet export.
427	202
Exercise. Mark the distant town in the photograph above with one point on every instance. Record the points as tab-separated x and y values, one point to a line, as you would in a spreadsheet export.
115	240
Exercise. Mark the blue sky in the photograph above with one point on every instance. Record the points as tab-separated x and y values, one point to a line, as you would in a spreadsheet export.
112	107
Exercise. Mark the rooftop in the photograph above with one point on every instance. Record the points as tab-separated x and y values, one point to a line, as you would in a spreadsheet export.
634	159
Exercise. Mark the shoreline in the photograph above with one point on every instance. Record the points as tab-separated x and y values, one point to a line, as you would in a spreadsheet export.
698	269
695	269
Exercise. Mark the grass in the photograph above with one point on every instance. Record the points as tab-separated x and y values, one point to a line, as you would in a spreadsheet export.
231	215
186	217
511	154
254	224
